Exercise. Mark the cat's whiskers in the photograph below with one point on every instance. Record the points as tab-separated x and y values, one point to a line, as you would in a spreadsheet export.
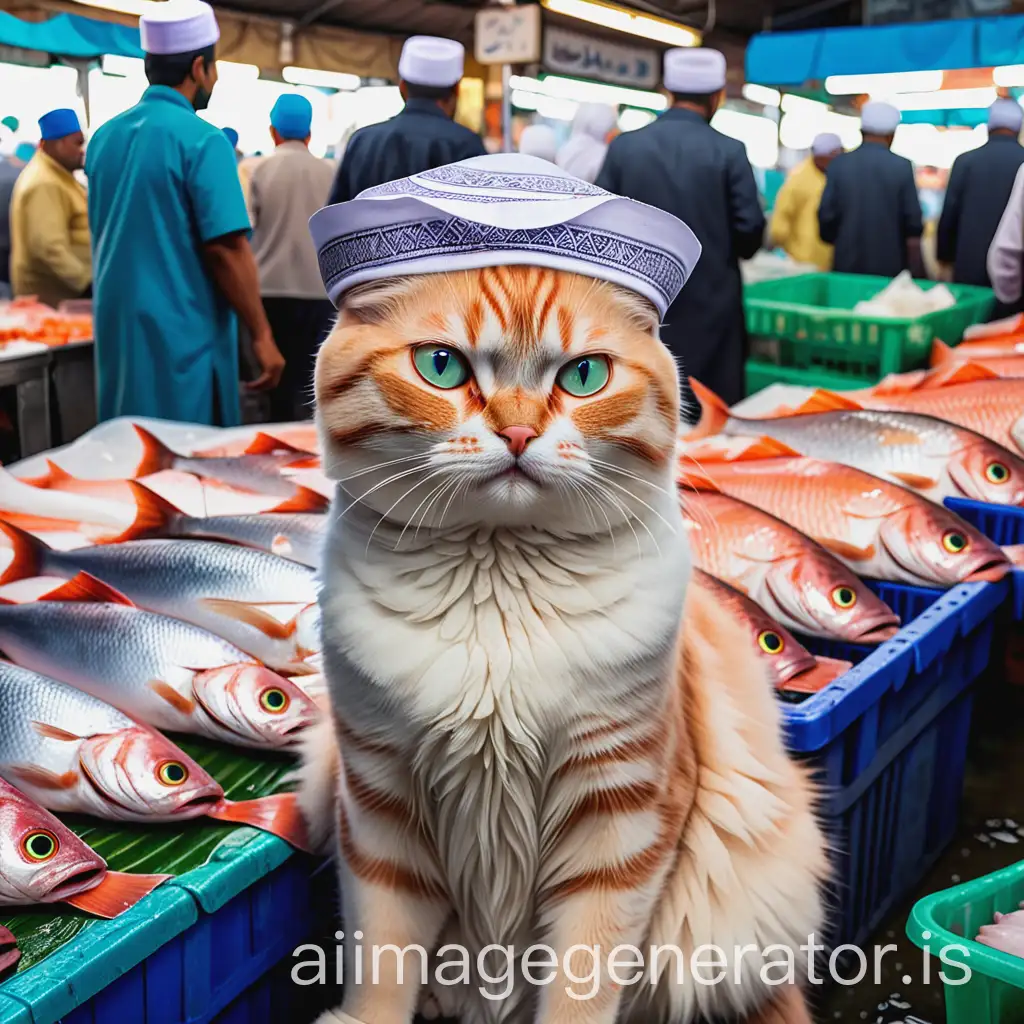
600	463
637	498
358	499
438	493
628	515
431	496
383	465
398	501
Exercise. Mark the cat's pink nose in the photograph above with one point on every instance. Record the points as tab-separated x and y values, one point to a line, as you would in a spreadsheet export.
517	438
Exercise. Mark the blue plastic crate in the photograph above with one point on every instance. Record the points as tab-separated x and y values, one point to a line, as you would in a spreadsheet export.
888	741
1002	523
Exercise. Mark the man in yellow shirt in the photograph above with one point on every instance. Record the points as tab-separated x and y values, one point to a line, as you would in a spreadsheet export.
50	254
795	219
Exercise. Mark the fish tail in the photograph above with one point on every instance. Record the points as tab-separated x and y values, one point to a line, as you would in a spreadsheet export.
941	353
29	554
116	893
156	456
278	814
305	499
154	515
714	413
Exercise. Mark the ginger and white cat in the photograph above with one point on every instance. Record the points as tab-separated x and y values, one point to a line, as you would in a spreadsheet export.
534	748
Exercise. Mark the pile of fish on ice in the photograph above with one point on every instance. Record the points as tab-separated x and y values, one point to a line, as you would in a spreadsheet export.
790	509
137	618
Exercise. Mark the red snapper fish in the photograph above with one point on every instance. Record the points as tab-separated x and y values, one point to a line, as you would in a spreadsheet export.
43	861
9	952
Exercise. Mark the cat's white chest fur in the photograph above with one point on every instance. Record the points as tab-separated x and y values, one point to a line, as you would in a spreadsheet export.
477	652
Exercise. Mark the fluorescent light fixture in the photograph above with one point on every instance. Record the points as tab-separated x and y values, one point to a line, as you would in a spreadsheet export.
590	92
884	85
555	109
757	133
525	100
800	105
761	94
321	79
947	99
1009	75
611	16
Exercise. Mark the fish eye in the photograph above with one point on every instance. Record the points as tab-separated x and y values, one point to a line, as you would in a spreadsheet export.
40	845
172	773
585	375
770	642
997	473
954	542
844	597
274	700
441	366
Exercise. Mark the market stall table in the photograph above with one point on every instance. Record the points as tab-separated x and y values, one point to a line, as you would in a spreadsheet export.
28	374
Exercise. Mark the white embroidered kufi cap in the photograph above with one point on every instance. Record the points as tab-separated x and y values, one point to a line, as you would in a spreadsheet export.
431	60
178	26
498	210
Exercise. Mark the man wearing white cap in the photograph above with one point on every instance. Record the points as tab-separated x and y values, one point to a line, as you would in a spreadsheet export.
870	210
173	264
423	134
978	190
680	164
795	218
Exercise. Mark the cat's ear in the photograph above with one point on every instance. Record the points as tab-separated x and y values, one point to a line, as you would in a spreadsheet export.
374	302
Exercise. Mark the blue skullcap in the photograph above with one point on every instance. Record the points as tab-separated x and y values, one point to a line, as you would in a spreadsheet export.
1005	114
25	151
58	123
232	137
292	116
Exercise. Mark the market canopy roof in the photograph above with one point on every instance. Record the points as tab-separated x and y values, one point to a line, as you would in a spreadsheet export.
70	36
792	58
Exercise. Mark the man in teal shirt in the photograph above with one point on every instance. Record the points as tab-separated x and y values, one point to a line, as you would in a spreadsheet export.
172	262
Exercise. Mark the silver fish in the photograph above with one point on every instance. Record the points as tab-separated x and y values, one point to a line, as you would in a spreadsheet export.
162	671
219	587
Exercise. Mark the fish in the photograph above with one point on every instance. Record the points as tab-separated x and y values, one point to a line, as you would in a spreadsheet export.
73	753
43	861
785	659
57	479
160	670
298	536
794	580
968	395
925	453
878	528
222	588
303	436
258	470
1003	356
9	952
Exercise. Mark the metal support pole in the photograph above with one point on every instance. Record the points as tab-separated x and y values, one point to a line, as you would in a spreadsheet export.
506	108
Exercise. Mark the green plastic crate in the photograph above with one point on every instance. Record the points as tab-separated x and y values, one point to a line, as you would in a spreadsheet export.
759	374
812	317
995	992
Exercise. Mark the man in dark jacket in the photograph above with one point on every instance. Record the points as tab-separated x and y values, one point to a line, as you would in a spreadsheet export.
680	164
424	134
870	210
979	188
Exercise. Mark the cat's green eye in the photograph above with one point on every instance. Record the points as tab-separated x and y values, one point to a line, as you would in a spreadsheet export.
585	376
441	366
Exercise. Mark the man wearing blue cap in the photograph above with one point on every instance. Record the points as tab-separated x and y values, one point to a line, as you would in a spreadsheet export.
173	262
979	188
286	189
50	255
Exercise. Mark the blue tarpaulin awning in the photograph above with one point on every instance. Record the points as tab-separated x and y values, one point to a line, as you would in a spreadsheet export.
69	35
792	58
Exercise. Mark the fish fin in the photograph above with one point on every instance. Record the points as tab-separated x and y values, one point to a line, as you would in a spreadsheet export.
265	444
714	413
825	671
29	554
43	778
941	353
156	456
153	514
899	383
306	462
116	893
53	475
87	590
53	732
958	373
694	480
278	814
844	549
251	615
764	448
826	401
916	481
305	499
168	693
281	545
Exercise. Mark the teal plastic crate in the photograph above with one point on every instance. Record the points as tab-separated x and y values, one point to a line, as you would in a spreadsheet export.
811	318
994	994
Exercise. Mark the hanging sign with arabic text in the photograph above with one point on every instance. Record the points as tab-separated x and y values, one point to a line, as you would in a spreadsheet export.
571	53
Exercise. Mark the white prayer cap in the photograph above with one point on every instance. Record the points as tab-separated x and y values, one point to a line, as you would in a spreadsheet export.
496	210
539	140
878	118
431	60
178	26
695	70
1005	114
826	144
